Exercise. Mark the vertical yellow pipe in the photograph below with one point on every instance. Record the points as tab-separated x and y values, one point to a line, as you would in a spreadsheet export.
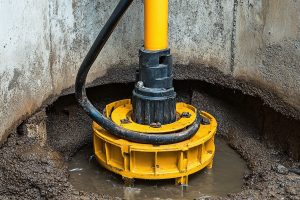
156	25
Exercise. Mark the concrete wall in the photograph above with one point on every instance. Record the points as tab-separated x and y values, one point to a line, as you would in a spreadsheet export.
245	42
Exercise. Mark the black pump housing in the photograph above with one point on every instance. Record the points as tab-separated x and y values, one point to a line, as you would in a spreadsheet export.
154	98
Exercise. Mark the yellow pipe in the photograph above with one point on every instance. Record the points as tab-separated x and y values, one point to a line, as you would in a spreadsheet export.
156	25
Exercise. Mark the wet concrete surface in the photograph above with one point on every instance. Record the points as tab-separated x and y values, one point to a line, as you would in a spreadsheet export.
31	171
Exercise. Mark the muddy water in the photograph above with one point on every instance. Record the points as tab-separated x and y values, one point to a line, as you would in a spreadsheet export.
225	177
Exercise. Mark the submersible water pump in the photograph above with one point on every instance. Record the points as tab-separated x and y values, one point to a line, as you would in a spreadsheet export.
150	136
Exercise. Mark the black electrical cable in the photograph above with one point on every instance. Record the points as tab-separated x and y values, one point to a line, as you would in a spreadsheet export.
112	128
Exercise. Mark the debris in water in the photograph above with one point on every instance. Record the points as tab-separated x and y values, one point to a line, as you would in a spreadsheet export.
91	158
131	193
75	170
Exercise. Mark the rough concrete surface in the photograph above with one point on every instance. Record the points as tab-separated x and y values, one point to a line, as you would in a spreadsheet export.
246	42
267	47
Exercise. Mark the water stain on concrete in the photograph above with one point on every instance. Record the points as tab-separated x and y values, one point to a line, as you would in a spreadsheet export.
14	82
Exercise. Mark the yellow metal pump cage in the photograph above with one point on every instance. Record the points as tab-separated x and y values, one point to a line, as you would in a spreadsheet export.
145	161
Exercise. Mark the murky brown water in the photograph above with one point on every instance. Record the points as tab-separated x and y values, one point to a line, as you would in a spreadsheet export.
225	177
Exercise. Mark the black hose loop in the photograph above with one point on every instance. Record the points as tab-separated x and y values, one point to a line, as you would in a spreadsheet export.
112	128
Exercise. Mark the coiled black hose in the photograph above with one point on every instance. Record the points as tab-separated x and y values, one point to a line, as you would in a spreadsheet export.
155	139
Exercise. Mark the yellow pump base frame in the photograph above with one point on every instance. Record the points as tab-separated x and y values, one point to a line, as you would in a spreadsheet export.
145	161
